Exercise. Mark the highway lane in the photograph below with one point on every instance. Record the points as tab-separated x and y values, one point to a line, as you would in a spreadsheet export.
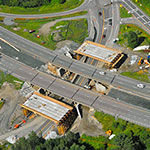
79	67
133	20
106	27
107	78
20	55
129	98
115	25
130	85
123	110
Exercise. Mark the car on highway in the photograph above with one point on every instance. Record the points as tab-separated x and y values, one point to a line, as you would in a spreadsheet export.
100	13
103	36
141	86
110	22
102	73
89	87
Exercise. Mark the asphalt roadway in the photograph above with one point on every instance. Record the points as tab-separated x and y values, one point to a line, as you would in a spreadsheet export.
20	55
65	89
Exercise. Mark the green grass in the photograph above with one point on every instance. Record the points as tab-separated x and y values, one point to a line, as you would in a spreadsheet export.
10	79
1	104
1	18
137	76
124	29
95	142
53	7
117	126
73	31
124	13
145	7
6	146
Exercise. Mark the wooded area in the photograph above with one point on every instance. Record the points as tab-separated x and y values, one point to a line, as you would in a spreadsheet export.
33	142
27	3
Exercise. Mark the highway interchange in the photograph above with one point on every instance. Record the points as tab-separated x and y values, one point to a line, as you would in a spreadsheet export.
105	103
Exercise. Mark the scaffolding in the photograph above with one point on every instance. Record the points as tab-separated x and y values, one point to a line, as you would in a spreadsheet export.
100	52
62	114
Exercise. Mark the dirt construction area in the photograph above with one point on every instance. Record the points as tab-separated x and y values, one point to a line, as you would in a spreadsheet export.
87	124
11	111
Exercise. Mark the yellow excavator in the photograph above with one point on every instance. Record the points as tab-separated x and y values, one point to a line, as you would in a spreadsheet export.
109	132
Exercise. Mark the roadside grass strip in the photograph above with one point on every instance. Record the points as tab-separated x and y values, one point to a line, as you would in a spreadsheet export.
5	77
53	7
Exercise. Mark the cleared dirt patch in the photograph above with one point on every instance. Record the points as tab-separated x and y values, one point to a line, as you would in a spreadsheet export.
88	124
45	29
12	101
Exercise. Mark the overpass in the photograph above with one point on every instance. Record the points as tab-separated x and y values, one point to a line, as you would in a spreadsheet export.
75	66
75	93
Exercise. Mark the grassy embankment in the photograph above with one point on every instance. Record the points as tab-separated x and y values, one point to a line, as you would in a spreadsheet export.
53	7
144	5
1	104
117	126
137	76
75	30
10	79
144	40
124	13
124	29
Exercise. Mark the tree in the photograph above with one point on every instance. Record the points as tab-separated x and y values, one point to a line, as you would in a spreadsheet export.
30	143
62	1
25	3
125	142
33	142
133	39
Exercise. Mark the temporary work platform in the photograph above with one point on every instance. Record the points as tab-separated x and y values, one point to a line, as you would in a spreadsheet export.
100	53
49	108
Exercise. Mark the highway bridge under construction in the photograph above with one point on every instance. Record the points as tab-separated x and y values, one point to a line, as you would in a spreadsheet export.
100	52
81	95
73	92
60	113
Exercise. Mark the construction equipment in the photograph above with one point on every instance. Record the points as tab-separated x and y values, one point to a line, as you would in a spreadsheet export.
109	132
2	100
19	124
141	61
32	116
16	126
25	112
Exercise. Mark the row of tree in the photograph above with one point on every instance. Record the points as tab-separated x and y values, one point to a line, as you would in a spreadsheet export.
71	141
33	142
27	3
